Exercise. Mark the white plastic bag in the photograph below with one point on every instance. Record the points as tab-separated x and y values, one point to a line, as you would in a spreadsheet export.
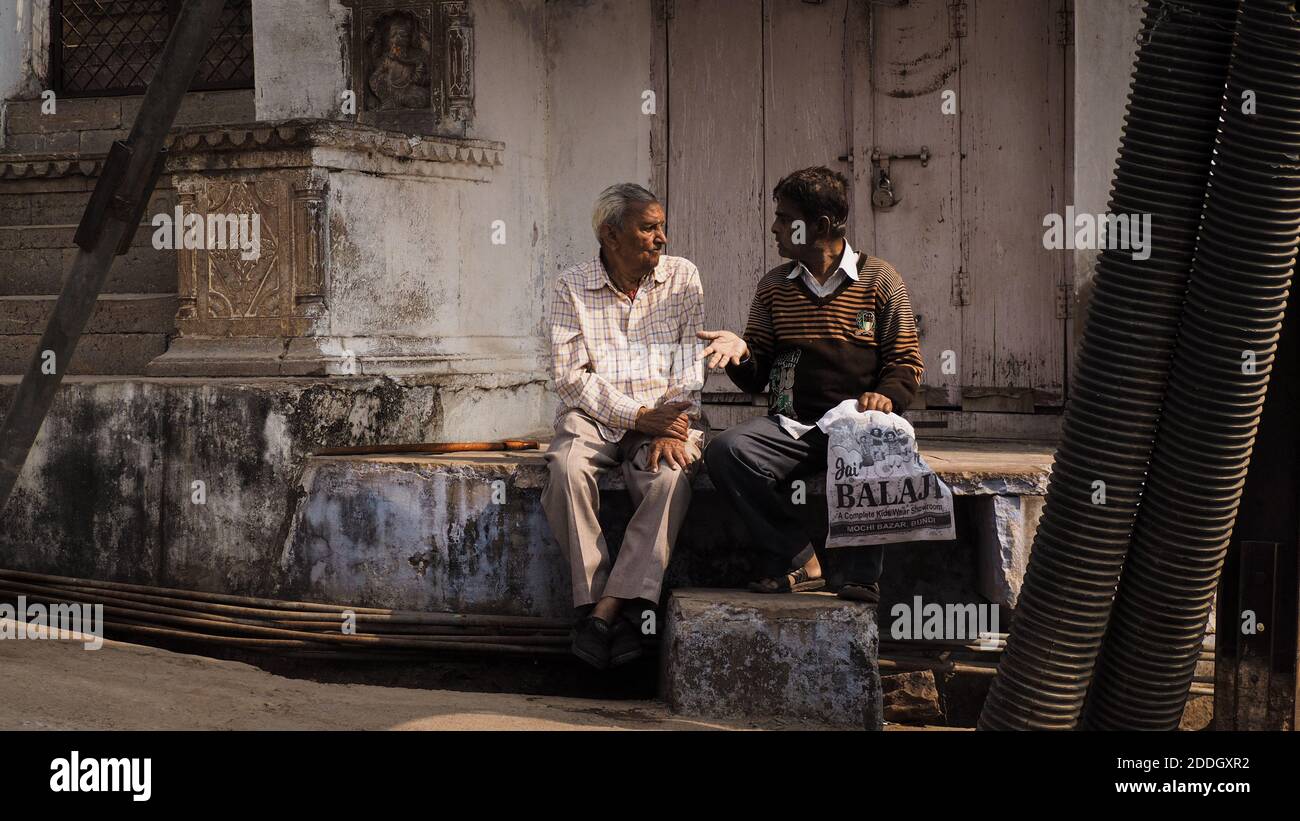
878	488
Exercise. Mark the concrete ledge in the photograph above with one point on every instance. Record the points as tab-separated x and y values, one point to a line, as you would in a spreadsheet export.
110	493
811	657
970	469
467	532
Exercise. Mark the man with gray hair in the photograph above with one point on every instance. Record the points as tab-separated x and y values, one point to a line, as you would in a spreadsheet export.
625	365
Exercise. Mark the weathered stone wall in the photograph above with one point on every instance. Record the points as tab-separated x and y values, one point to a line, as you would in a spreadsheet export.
108	491
467	533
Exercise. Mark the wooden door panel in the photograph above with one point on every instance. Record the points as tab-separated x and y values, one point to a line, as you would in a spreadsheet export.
1012	130
915	61
805	122
715	151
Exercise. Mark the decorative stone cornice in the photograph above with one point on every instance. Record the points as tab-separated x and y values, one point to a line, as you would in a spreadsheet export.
307	133
49	166
279	135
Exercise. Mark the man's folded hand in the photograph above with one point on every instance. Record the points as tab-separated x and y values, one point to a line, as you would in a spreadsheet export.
875	401
672	451
667	420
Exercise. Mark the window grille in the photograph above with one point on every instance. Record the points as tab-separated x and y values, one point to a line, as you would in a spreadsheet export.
107	47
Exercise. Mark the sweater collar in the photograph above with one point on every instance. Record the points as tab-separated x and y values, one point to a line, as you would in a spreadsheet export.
848	264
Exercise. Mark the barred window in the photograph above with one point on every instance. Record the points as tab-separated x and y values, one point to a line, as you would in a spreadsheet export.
105	47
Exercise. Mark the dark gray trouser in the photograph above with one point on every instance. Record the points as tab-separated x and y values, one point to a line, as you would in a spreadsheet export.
751	465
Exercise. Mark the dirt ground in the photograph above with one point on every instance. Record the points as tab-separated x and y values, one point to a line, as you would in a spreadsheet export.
60	685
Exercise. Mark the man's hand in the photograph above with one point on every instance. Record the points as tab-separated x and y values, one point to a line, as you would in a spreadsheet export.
672	451
667	420
875	401
724	348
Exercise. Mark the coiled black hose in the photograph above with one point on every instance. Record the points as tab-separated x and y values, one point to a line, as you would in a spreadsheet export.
1237	294
1122	368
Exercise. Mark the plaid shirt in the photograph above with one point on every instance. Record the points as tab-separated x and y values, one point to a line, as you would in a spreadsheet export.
611	354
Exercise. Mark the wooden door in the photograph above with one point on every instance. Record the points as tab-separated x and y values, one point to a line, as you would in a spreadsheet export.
915	61
977	89
757	89
1013	173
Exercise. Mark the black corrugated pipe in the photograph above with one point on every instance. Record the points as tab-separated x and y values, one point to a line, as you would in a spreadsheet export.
1121	370
1236	302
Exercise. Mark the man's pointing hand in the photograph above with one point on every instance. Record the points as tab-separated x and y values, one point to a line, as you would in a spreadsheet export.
724	348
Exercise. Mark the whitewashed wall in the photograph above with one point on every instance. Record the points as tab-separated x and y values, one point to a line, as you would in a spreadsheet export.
599	58
1105	44
430	257
24	49
300	53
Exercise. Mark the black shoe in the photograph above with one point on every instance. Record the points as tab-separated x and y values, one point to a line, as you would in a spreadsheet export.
869	593
591	637
625	642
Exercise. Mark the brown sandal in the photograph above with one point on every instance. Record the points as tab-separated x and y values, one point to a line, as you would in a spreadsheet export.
781	584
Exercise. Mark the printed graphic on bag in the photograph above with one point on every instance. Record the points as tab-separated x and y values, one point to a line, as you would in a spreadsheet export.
780	384
878	488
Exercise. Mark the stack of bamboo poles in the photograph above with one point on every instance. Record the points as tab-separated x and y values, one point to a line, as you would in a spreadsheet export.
311	629
300	628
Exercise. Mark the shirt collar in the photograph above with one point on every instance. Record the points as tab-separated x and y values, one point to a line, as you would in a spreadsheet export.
848	264
598	277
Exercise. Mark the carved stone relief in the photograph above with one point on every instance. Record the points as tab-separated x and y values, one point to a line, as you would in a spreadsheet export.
413	65
239	287
277	291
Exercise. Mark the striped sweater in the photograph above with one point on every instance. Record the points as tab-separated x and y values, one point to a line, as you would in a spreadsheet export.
811	353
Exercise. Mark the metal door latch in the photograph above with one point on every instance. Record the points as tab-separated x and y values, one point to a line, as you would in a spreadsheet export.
882	185
880	157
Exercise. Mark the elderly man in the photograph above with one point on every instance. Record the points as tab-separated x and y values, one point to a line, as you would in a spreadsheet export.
625	366
831	324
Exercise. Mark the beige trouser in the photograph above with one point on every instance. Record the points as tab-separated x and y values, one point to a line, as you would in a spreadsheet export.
577	456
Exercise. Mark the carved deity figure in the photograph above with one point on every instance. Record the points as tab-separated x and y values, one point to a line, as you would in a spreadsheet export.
400	75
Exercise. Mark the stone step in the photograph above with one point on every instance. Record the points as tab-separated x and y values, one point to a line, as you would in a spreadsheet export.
803	657
89	124
37	200
42	237
103	354
38	218
141	270
113	314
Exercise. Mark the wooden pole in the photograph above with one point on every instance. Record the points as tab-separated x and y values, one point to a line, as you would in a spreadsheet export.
110	220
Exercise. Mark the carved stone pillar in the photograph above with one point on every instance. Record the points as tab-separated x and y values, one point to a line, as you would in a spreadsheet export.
186	262
356	260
